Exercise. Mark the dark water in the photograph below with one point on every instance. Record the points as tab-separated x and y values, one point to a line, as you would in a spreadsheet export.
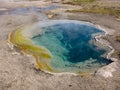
70	45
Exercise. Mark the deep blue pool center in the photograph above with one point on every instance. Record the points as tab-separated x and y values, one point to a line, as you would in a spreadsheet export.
72	46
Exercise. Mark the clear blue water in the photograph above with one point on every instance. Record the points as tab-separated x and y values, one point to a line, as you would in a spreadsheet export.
71	47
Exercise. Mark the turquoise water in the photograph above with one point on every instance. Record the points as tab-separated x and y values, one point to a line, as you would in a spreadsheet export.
71	47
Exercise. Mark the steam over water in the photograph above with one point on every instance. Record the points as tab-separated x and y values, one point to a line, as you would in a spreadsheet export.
72	46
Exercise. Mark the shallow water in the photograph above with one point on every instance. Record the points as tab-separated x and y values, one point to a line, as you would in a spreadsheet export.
71	47
33	9
40	11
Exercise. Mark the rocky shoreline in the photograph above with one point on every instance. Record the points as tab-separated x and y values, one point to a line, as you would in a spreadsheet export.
106	71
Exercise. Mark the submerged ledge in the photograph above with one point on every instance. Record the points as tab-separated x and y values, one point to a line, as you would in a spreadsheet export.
22	38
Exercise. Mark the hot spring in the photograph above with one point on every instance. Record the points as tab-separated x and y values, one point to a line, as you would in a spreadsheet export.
62	45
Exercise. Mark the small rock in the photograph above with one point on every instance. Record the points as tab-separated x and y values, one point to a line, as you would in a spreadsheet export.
107	71
56	1
50	16
70	85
